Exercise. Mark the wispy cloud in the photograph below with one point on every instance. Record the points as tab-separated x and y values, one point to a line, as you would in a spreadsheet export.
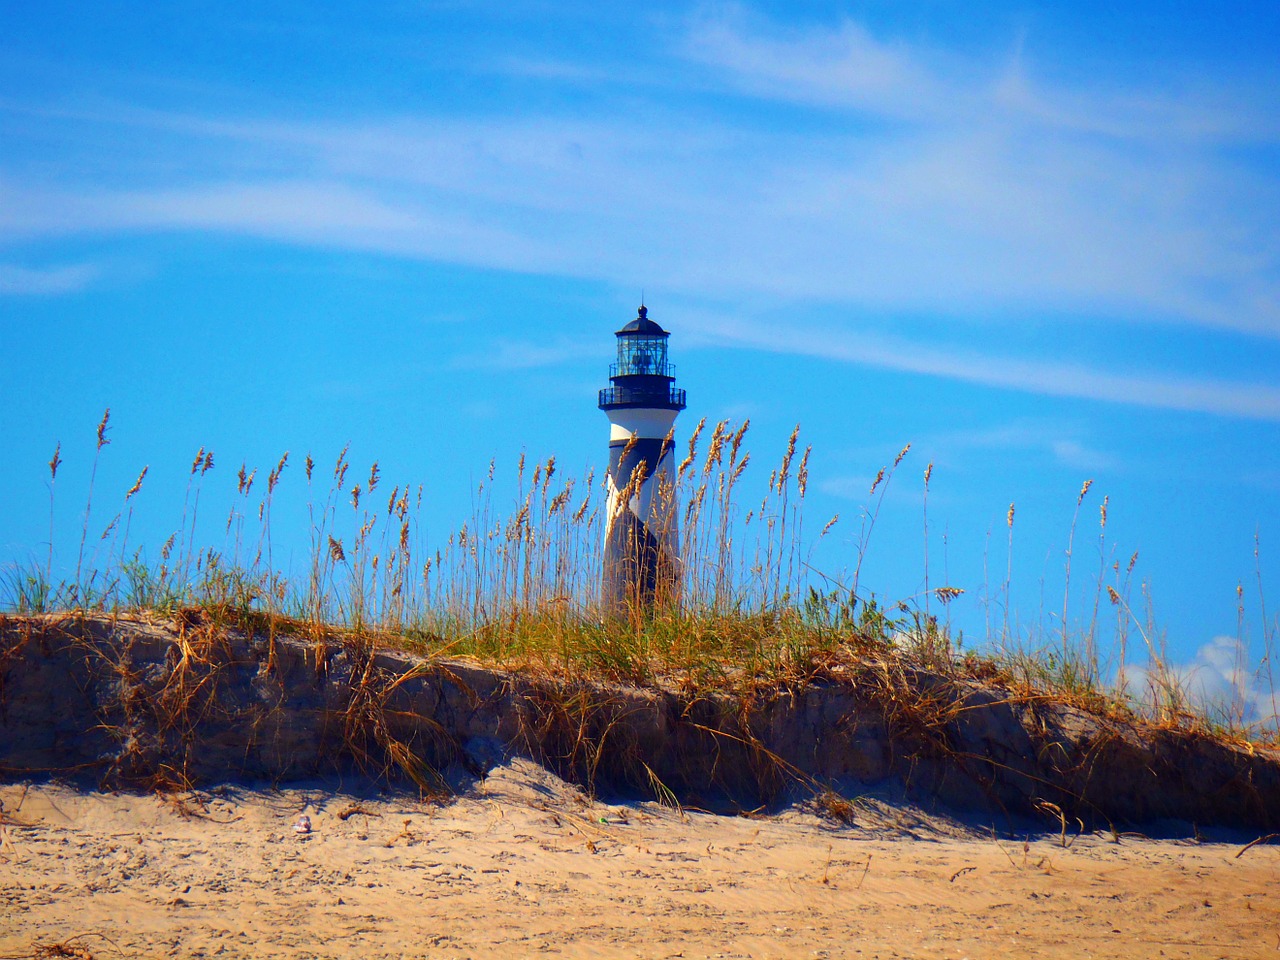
948	221
842	66
1065	443
1256	401
1073	453
933	184
45	281
846	67
524	355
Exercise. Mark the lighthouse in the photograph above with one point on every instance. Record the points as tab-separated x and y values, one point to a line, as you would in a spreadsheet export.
641	553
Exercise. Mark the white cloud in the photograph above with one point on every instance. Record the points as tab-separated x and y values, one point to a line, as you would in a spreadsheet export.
1219	681
45	281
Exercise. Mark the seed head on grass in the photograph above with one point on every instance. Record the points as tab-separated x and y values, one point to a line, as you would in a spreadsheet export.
736	443
898	459
784	472
626	448
715	449
688	461
102	429
876	482
55	462
340	468
1084	489
273	478
1009	518
137	484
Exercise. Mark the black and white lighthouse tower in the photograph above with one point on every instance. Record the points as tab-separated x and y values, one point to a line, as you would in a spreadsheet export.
641	553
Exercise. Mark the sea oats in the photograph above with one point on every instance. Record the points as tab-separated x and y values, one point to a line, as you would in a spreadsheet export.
137	485
947	594
102	429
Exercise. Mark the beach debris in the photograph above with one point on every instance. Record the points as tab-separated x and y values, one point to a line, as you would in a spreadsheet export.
354	809
70	947
1253	843
303	826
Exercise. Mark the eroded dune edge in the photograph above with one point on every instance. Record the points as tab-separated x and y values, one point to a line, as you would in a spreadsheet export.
121	701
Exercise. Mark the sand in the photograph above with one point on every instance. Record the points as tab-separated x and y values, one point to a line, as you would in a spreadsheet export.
523	864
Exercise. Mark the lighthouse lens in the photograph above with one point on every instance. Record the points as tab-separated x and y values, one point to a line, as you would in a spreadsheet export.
642	356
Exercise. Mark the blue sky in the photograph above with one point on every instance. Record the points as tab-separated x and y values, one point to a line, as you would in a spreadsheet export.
1038	242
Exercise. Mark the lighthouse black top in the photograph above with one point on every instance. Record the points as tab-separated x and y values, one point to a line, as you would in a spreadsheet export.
642	378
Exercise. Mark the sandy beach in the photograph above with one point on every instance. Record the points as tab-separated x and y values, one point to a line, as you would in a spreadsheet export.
524	864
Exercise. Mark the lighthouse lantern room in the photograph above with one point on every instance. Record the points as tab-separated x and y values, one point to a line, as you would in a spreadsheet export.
641	557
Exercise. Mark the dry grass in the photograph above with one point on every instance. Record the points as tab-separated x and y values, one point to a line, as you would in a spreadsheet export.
521	588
